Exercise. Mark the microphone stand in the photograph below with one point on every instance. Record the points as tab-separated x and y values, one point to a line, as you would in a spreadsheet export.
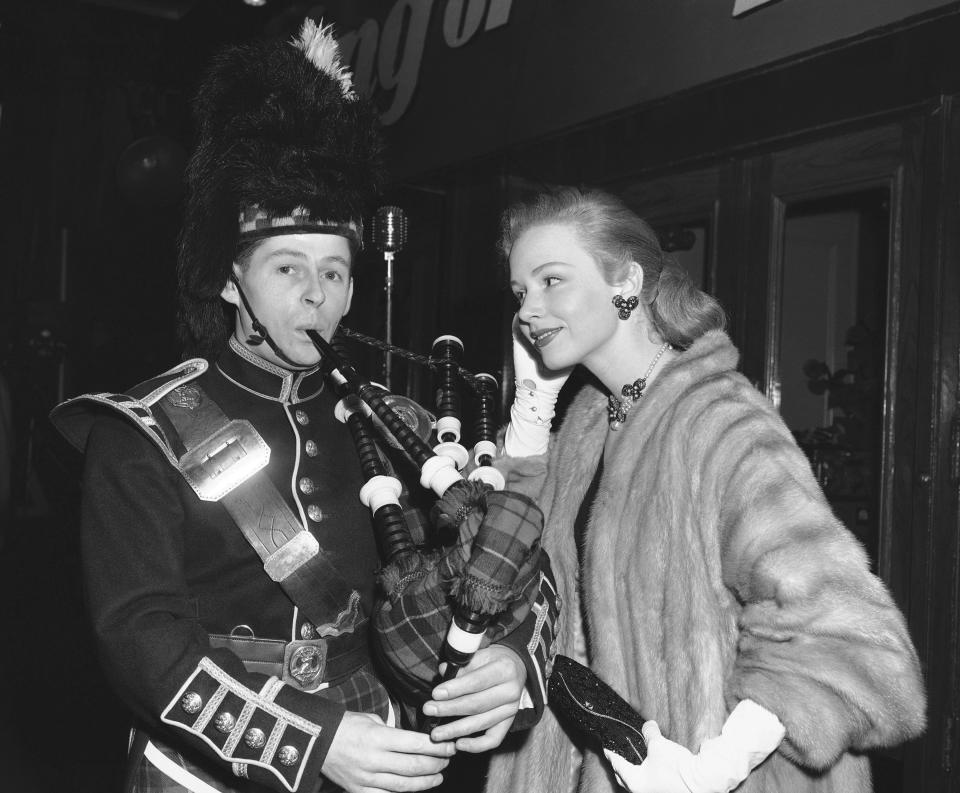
388	287
389	237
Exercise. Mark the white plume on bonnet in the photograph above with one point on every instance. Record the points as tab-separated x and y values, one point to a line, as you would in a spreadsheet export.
322	50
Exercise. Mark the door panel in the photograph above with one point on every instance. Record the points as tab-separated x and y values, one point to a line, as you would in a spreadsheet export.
827	374
817	253
835	265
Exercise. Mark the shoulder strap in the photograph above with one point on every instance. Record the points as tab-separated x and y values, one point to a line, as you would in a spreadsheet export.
225	461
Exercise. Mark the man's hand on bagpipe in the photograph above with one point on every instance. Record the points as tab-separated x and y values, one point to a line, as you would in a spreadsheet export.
477	707
367	756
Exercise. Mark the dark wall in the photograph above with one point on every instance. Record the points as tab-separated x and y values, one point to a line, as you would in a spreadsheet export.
92	144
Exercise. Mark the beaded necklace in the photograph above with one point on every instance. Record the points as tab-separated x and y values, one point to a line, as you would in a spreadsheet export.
617	409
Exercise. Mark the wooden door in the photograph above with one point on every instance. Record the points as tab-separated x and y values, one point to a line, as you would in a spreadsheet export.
836	260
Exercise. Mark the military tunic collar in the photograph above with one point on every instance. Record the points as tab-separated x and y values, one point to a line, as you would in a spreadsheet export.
266	379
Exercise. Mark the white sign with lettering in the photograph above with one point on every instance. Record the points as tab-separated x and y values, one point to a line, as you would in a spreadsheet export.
389	59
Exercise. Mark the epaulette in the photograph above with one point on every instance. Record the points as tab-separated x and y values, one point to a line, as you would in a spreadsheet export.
75	417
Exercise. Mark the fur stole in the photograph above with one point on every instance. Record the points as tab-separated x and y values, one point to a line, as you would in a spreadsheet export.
715	571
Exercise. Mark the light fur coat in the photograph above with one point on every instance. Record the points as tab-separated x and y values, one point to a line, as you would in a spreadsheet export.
714	571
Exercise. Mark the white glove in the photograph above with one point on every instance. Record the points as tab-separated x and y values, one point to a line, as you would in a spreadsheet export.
534	404
748	737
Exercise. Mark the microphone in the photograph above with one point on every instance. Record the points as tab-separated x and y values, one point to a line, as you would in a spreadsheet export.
389	237
389	230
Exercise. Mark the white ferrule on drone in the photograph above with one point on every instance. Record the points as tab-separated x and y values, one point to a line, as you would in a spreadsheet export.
438	473
464	641
481	448
489	475
380	490
448	429
455	452
342	410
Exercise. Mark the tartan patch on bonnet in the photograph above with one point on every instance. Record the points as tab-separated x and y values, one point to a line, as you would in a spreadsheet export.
256	222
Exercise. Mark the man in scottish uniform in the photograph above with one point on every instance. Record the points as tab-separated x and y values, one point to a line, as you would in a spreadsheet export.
228	562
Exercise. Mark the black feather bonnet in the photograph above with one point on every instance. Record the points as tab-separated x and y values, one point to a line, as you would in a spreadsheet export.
284	145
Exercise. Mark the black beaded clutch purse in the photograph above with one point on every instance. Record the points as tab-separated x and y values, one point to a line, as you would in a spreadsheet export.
584	703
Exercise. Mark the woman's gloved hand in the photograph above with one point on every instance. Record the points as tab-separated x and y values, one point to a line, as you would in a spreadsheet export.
534	404
748	737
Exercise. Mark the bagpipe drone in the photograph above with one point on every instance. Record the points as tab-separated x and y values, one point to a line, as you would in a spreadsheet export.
440	605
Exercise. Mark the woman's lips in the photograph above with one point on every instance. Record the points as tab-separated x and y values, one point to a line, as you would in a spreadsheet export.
544	337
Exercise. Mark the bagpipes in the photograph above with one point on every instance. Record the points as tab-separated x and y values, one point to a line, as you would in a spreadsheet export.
440	605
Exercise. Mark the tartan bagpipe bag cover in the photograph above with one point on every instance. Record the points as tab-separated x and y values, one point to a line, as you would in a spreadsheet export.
492	567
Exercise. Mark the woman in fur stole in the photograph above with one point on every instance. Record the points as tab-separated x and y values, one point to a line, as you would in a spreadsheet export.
702	572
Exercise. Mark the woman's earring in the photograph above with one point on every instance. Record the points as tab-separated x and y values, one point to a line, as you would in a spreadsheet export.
625	307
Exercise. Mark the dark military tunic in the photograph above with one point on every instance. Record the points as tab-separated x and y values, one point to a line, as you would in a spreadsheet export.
188	620
164	571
